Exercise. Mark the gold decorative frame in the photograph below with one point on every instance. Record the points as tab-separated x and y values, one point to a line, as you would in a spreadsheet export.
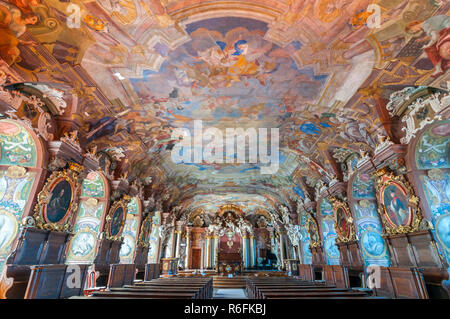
310	219
384	179
144	242
71	175
341	237
107	228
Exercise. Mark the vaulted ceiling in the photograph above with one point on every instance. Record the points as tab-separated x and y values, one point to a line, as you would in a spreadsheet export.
316	69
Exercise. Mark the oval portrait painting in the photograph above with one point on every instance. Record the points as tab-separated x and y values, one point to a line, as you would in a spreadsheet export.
396	204
116	221
341	221
60	202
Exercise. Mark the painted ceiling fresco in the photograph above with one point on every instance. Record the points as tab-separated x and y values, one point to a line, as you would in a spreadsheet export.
129	72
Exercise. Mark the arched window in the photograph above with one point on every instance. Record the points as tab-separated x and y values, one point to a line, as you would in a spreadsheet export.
328	232
368	225
21	157
130	232
432	168
93	206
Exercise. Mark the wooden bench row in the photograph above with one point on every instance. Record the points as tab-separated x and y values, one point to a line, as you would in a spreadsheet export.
162	288
274	288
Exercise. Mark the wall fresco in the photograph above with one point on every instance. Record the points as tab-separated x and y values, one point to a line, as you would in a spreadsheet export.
368	225
17	145
329	233
87	230
15	188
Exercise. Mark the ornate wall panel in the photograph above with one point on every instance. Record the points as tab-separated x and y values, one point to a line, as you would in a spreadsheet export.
329	233
432	157
130	232
90	215
368	224
87	229
18	157
154	239
305	240
15	188
17	146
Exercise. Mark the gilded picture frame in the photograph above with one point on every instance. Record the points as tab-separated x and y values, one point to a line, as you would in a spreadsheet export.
115	220
58	201
398	206
343	221
145	231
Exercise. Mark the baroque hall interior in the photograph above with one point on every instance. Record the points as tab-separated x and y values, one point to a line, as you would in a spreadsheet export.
108	191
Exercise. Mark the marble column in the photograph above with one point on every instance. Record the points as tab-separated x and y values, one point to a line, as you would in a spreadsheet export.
244	251
188	248
171	244
252	251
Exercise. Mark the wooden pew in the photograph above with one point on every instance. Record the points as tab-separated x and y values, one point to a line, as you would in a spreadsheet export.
336	275
121	274
253	284
184	288
152	271
34	247
314	294
401	282
306	272
55	281
268	288
205	283
140	260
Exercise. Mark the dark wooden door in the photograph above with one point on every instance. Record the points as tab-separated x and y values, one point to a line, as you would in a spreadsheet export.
196	258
